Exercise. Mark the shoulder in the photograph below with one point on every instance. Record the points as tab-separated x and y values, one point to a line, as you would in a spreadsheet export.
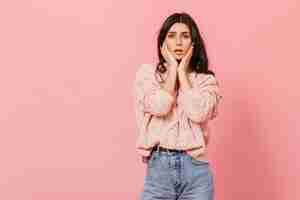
145	70
146	67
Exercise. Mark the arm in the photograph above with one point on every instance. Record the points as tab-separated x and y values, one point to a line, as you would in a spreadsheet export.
201	99
152	97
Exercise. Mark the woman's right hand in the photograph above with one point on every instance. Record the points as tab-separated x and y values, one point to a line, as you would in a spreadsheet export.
169	58
145	159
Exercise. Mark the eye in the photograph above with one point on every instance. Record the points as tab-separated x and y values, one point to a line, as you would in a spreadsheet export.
170	35
186	36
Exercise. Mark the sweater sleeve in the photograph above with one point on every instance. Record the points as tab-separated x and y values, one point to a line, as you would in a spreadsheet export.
149	95
200	103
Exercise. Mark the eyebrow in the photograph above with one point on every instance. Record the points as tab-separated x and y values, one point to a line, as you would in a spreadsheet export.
175	32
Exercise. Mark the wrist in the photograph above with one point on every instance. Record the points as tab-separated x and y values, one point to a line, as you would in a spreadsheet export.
181	72
172	66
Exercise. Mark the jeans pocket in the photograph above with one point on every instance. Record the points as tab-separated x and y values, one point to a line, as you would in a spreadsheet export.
198	162
151	161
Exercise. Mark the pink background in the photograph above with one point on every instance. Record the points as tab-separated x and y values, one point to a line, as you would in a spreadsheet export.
67	123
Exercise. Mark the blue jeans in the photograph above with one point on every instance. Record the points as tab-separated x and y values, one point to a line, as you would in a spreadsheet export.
177	176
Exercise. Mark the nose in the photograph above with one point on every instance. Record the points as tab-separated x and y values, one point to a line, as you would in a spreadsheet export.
178	41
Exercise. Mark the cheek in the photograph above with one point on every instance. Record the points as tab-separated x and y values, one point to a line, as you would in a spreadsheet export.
170	43
187	46
187	43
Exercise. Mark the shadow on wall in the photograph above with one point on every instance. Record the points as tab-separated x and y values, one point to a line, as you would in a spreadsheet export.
246	164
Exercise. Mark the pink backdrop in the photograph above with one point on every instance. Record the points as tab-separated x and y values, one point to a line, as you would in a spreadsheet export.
67	123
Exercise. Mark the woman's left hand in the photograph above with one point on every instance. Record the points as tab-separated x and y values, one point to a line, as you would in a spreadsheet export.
184	63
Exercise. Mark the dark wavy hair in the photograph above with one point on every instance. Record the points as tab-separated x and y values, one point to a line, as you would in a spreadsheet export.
199	61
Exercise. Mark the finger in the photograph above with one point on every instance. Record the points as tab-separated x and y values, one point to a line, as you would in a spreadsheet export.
170	55
191	49
164	44
166	54
168	51
166	48
190	52
162	48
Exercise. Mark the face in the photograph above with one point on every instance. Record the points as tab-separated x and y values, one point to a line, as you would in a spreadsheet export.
178	40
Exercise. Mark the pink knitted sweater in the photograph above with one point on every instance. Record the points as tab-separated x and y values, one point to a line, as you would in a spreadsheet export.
177	121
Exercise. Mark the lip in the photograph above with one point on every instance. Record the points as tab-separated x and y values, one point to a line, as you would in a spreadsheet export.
178	51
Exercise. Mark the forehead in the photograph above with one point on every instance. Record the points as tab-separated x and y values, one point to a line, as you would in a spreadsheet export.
179	27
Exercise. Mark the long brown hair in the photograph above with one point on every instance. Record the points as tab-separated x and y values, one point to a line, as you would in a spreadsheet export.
199	61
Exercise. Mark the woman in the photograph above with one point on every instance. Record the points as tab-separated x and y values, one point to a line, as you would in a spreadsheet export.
174	100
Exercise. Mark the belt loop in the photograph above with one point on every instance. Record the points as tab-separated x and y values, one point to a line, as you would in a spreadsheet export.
158	148
167	150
